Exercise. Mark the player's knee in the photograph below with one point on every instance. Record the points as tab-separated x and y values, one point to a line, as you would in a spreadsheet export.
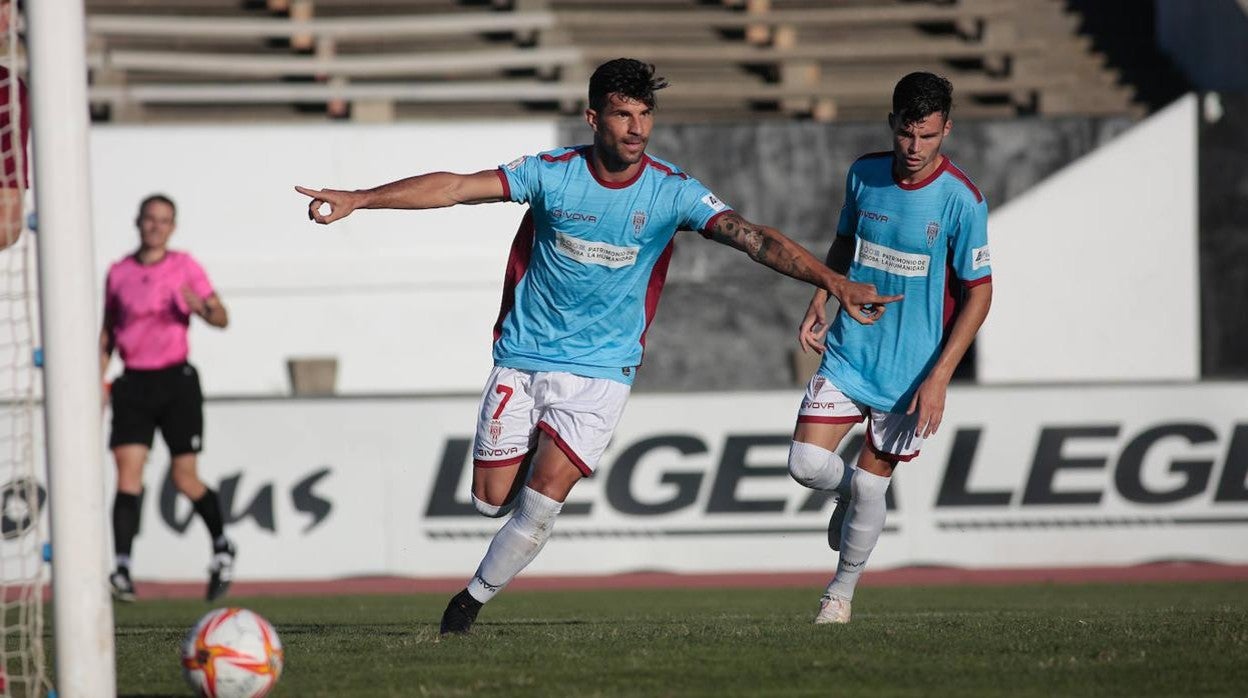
494	511
807	462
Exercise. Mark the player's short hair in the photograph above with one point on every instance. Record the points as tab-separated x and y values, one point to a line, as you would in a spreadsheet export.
919	94
626	77
154	198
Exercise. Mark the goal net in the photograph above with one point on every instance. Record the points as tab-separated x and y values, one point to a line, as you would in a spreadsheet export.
23	493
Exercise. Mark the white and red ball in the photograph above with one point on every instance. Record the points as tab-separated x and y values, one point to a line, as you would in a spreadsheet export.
232	653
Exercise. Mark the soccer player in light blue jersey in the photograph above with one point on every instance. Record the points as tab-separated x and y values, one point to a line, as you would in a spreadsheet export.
581	288
912	224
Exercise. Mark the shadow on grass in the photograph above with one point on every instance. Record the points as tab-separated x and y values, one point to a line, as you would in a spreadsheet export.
536	622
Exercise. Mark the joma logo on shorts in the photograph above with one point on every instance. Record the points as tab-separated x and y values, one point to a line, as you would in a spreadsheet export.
573	216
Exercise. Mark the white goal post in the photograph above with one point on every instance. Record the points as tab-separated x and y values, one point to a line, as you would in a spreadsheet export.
83	624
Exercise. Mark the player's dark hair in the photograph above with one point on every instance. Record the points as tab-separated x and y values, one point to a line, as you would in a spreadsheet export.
154	198
626	77
920	94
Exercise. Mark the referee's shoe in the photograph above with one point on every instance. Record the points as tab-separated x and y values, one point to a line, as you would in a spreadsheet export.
221	570
122	587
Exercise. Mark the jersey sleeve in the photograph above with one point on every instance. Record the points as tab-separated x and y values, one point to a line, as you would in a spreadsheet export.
521	178
969	245
847	224
197	278
698	207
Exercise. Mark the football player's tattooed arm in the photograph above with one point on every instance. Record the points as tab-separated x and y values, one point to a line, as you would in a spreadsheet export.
770	247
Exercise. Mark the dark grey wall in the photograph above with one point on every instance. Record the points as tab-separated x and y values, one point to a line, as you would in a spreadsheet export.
1224	240
728	323
1207	39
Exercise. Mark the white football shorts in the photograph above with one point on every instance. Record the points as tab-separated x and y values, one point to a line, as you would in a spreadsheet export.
889	434
579	414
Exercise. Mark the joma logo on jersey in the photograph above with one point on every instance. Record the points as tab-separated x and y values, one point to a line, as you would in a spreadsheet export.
873	216
573	216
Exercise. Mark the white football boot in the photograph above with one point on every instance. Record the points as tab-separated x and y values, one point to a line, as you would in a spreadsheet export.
832	609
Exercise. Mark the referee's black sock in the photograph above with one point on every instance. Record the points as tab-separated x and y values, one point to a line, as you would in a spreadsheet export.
125	524
209	509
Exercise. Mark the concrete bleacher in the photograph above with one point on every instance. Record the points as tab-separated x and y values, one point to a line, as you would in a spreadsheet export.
733	59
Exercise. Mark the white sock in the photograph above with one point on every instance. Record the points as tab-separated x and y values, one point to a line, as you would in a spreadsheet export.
864	521
815	467
516	543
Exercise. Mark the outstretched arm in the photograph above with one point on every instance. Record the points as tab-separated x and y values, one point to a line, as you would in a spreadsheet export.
433	190
929	400
769	246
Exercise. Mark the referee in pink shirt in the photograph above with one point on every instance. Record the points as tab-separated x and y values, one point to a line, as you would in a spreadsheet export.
149	299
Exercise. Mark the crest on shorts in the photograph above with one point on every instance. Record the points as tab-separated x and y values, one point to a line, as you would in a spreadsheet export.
639	222
818	384
933	229
496	430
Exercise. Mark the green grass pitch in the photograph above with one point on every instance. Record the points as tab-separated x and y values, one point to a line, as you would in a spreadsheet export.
1042	640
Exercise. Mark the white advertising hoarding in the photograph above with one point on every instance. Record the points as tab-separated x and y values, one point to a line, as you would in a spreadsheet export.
1017	477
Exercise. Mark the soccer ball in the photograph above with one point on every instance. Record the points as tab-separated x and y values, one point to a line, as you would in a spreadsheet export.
232	653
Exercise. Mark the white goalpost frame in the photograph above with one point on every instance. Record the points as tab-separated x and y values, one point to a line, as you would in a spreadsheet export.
83	630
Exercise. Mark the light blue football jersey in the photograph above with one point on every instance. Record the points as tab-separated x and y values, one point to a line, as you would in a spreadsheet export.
928	241
589	261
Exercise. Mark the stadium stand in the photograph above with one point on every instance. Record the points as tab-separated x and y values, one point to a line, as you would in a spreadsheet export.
732	59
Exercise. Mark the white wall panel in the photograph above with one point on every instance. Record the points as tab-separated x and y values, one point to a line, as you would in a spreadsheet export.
406	300
1094	270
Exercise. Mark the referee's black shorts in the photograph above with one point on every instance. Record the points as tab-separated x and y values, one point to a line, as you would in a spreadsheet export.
166	398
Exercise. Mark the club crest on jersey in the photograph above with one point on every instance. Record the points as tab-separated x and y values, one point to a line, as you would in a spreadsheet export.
933	229
496	430
639	222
